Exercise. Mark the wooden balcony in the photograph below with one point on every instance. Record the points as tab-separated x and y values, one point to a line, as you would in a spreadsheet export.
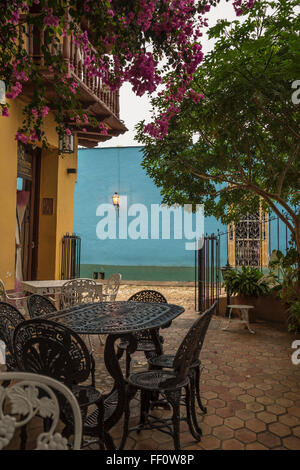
95	97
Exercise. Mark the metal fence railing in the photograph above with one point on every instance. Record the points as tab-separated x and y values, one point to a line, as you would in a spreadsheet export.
70	259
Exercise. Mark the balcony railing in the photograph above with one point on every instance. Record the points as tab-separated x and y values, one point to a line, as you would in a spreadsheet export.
75	60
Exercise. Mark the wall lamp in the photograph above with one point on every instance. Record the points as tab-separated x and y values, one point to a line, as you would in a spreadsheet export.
66	143
116	200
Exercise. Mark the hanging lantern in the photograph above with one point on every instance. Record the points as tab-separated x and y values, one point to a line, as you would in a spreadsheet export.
116	200
66	143
2	92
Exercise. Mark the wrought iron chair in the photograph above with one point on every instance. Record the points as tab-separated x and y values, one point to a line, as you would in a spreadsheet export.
49	348
16	298
38	306
10	317
29	396
168	383
166	361
78	291
112	287
144	339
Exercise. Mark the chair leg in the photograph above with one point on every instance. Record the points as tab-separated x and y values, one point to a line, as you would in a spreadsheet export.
197	384
190	413
192	404
109	443
128	361
174	400
119	354
145	406
126	423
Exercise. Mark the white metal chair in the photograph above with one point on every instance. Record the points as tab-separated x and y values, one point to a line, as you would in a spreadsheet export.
78	291
16	298
112	287
24	396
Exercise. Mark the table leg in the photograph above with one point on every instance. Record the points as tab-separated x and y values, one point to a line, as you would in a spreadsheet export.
113	367
229	320
245	317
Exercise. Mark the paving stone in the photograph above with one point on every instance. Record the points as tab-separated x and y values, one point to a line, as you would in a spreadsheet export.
244	415
296	431
276	409
255	407
245	435
232	444
268	439
289	420
210	443
295	411
256	446
234	422
280	429
292	443
246	398
255	425
267	417
236	405
225	412
255	392
217	403
264	400
209	395
213	420
223	432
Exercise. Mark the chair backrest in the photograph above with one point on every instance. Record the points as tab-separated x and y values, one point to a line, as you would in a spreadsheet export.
113	284
3	295
10	317
192	343
38	306
148	296
48	348
79	291
29	396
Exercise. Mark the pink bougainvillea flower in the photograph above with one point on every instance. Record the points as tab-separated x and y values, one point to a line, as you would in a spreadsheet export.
45	110
15	91
20	136
5	112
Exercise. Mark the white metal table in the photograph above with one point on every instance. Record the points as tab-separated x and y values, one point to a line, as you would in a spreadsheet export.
244	309
49	288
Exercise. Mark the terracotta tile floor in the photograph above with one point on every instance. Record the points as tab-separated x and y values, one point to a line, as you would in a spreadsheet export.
249	385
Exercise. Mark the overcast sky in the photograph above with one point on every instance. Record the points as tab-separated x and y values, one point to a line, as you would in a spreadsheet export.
133	108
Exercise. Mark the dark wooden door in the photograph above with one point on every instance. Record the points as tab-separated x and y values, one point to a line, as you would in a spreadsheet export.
29	163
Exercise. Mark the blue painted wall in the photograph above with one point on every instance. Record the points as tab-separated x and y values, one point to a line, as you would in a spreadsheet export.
101	173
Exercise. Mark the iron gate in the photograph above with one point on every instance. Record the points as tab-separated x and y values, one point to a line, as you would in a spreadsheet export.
207	273
71	252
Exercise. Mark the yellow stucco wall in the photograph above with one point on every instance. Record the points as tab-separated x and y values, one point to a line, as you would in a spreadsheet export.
55	183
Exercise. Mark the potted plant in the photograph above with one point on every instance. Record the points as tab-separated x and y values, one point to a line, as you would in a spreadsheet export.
283	280
246	285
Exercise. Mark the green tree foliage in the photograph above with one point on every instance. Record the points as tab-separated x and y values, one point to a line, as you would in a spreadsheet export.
247	122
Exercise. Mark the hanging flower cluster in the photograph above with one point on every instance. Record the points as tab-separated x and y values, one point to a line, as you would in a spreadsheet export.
152	44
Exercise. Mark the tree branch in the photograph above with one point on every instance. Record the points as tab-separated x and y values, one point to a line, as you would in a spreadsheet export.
286	168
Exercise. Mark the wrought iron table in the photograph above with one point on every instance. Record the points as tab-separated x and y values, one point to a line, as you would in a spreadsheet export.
118	320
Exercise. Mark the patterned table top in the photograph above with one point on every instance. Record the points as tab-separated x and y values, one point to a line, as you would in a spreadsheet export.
116	317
